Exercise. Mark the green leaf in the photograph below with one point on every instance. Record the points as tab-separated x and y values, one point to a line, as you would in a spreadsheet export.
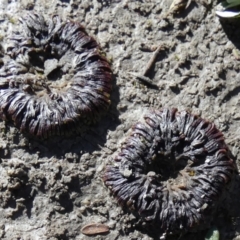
230	3
212	234
233	1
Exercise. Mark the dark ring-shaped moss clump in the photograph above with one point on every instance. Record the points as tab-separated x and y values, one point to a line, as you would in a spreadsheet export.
54	79
171	170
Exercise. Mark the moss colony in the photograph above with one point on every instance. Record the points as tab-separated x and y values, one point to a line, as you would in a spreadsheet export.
53	78
171	170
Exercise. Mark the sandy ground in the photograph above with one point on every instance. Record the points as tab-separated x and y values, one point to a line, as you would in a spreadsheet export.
51	189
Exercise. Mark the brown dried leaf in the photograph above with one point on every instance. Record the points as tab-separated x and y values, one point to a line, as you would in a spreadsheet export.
95	228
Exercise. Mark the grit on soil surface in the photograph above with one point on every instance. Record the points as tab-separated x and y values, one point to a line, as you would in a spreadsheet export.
51	189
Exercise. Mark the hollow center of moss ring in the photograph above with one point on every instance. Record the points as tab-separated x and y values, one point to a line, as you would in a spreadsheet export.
46	74
172	165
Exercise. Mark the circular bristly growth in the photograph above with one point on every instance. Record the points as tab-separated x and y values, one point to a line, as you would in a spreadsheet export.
171	170
54	78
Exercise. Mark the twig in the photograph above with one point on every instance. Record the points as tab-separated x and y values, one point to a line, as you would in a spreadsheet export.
152	61
143	77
